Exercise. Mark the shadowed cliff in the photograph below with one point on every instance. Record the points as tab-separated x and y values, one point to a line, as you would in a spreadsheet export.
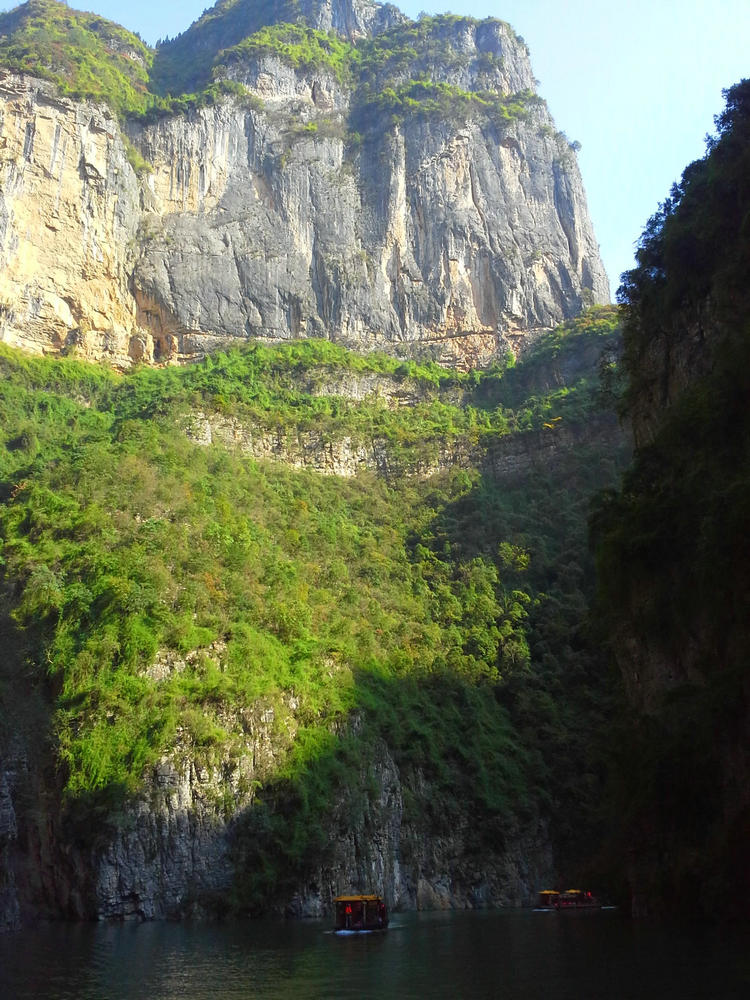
266	683
672	544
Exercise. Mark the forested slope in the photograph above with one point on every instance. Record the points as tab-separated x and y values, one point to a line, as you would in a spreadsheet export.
673	552
236	684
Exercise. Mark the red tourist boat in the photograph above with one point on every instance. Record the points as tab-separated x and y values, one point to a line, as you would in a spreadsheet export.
363	914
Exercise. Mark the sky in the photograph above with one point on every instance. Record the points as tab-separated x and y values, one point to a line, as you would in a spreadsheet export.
636	82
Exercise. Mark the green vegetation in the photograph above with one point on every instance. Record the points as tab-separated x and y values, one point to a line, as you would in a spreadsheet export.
89	57
400	75
160	107
400	70
694	250
186	63
394	75
444	614
672	544
428	99
83	54
430	40
393	55
298	46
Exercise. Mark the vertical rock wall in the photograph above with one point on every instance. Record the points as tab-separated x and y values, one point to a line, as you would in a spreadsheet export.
271	217
68	219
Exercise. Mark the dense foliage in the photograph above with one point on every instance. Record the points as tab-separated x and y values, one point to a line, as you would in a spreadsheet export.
694	255
186	63
401	73
673	543
397	74
425	98
83	54
296	45
445	614
430	41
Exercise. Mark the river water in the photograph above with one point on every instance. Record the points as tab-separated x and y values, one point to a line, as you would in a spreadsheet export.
513	955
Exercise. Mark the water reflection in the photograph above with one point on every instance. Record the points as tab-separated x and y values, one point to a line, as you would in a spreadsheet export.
469	956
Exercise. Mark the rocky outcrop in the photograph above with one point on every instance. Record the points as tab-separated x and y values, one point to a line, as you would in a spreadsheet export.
168	856
180	849
220	29
518	455
68	222
298	211
351	18
502	457
185	844
329	454
377	843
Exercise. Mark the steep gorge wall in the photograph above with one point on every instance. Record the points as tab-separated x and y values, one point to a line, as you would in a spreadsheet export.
673	548
268	220
184	846
184	843
68	222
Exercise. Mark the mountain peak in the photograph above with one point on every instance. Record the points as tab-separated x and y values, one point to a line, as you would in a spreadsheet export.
184	64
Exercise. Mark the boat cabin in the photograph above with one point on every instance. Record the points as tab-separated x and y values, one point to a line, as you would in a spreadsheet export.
360	913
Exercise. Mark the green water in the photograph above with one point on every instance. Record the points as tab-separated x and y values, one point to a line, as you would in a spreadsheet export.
509	955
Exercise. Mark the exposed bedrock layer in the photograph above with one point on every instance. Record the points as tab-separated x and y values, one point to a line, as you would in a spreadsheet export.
183	845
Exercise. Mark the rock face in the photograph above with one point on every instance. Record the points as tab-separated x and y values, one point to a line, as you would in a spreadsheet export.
178	850
675	562
351	18
502	458
299	211
182	846
68	223
331	456
9	906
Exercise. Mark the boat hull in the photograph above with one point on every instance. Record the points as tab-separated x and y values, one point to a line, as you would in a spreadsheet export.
358	933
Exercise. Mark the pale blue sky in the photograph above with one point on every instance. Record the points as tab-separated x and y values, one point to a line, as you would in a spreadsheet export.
636	82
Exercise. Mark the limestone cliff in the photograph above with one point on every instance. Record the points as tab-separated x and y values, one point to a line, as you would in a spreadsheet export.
306	208
68	223
185	846
188	841
414	197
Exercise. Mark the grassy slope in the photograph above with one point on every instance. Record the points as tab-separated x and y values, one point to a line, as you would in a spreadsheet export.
449	613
